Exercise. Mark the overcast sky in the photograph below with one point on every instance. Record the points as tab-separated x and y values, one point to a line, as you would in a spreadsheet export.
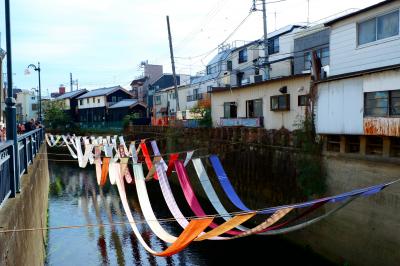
102	42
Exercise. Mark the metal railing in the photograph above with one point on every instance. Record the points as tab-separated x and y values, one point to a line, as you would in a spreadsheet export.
28	147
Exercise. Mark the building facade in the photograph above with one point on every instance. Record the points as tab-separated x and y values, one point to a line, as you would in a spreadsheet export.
358	108
27	106
272	104
69	103
94	105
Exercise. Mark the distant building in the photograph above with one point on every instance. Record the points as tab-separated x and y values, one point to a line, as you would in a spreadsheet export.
69	103
27	106
94	105
140	86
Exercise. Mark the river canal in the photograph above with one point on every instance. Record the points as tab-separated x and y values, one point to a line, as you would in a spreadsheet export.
76	199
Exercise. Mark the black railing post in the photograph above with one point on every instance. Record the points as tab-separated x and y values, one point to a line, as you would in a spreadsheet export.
26	154
11	123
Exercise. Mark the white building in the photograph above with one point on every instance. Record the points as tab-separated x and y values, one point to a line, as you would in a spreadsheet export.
272	104
27	106
361	97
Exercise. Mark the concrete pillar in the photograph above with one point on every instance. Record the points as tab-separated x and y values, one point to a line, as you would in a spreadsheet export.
386	147
363	145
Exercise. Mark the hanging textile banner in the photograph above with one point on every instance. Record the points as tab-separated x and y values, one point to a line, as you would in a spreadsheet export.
190	196
210	192
177	214
194	228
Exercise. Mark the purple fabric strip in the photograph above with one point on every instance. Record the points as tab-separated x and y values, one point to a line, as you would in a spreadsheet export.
191	197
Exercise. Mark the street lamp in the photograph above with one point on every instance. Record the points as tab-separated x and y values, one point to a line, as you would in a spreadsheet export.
27	72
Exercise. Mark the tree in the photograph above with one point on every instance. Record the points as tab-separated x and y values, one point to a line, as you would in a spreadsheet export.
55	117
202	112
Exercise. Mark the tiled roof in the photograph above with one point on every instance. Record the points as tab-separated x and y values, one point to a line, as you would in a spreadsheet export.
126	103
101	92
71	94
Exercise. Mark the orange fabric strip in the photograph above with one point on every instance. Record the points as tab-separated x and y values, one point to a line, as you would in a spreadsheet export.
104	170
194	228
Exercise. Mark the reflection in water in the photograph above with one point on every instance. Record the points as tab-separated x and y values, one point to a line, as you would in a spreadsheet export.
76	199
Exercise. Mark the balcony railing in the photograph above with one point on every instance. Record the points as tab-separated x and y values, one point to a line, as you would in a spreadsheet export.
242	121
28	147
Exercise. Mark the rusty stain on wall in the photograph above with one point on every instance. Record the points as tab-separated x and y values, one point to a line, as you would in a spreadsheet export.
382	126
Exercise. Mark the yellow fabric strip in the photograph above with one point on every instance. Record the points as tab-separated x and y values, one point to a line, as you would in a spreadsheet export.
230	224
270	221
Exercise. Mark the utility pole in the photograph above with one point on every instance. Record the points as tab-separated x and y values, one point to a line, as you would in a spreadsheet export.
70	81
171	50
77	87
308	12
265	63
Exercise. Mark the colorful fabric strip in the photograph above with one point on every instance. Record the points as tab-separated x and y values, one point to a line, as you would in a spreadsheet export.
191	196
194	228
210	192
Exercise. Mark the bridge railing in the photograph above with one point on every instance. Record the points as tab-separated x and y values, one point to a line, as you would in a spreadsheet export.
28	147
6	170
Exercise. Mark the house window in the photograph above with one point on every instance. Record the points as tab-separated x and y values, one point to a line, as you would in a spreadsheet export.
307	60
376	103
93	100
230	110
33	98
243	56
80	102
87	100
273	45
157	99
209	88
211	69
34	107
378	28
254	108
229	65
280	102
113	99
98	100
303	100
322	54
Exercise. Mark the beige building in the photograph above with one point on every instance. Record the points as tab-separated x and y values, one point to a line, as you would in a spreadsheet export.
273	104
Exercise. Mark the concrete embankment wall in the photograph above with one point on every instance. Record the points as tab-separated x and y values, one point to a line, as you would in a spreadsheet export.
366	232
27	210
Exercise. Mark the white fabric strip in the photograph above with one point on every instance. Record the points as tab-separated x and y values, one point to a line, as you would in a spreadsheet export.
145	205
156	152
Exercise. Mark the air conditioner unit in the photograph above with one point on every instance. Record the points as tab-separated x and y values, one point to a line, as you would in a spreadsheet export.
258	78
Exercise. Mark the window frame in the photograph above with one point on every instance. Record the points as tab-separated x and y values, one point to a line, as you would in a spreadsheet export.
273	45
230	104
243	56
390	112
279	108
375	18
307	98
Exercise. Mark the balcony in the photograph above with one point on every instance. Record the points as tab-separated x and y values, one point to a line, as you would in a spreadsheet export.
242	122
